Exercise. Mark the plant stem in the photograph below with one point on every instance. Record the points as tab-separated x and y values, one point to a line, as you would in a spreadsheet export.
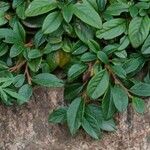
28	75
17	66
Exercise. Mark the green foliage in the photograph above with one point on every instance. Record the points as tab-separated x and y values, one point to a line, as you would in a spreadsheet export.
99	47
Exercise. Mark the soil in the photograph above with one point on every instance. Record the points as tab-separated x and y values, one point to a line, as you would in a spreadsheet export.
26	128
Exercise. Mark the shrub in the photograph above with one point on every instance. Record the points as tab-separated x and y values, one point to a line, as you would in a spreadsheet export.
98	46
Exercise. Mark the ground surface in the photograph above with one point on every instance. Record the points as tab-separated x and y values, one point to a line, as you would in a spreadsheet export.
26	128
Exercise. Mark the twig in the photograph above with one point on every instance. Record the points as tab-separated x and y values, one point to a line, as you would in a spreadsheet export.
28	75
17	66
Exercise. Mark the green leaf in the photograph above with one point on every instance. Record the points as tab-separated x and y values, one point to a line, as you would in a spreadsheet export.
146	47
52	22
117	8
16	50
38	7
3	49
35	64
3	20
138	30
79	48
75	71
20	10
108	125
138	105
101	4
98	84
84	32
26	92
87	14
141	89
3	96
19	31
48	80
93	46
112	29
86	57
35	53
68	12
72	90
131	65
58	116
124	42
19	80
90	125
75	115
14	94
108	106
120	98
119	71
102	57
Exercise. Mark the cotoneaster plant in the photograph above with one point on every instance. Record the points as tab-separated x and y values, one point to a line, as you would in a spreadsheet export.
99	48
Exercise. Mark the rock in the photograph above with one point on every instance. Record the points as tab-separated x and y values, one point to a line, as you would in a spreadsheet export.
26	128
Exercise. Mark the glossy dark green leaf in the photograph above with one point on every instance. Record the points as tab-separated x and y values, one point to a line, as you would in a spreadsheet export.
108	125
19	80
138	105
68	12
26	92
98	84
52	22
84	32
48	80
120	98
19	31
146	47
141	89
75	114
117	8
3	49
86	57
16	50
111	29
72	90
35	53
38	7
58	116
14	94
75	71
102	57
90	125
82	9
108	106
138	30
94	46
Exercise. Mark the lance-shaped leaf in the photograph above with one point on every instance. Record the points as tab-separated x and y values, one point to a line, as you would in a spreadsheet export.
75	115
91	126
120	98
138	30
146	47
98	84
58	116
138	105
52	22
87	14
112	29
141	89
75	71
115	9
38	7
48	80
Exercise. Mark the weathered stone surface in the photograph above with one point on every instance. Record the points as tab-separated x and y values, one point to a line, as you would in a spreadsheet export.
26	128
